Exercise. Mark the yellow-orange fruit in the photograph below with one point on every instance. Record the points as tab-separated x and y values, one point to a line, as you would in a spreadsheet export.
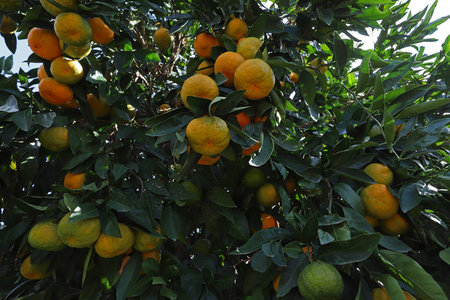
99	107
67	71
72	29
208	135
55	92
101	33
74	181
44	43
236	29
55	10
379	202
256	77
227	63
203	44
199	85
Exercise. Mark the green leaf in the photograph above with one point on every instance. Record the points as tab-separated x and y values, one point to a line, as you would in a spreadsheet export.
398	73
356	221
173	221
122	61
22	119
378	94
349	196
170	125
260	238
409	271
409	197
146	55
289	275
373	2
95	76
373	13
119	170
258	27
394	244
86	265
84	211
423	107
76	160
119	202
388	128
260	261
326	15
423	137
221	197
191	280
10	105
340	53
364	72
110	225
264	153
45	119
355	174
129	276
240	228
309	231
445	255
227	104
308	87
356	249
392	287
101	165
363	290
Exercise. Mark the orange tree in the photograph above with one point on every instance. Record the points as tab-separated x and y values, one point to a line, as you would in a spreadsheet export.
351	106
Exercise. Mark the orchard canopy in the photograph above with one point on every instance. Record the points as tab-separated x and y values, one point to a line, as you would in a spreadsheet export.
223	149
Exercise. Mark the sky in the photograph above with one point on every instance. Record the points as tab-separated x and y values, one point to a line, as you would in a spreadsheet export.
442	9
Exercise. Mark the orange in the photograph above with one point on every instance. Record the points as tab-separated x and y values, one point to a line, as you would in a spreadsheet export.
54	139
282	84
67	71
320	280
239	41
267	195
74	181
101	33
268	221
207	160
98	106
80	233
322	68
258	119
164	107
308	249
236	29
208	135
34	271
41	72
249	151
206	67
11	5
55	92
199	85
78	52
55	10
43	236
44	43
203	44
379	202
107	246
8	25
249	47
243	119
253	178
290	184
162	38
146	242
372	221
72	29
399	128
153	254
380	173
227	63
276	282
381	294
293	77
394	225
71	104
255	77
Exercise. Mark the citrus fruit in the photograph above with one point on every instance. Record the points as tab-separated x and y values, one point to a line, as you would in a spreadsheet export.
380	173
101	33
379	202
199	85
11	5
208	135
394	225
239	41
308	249
320	281
55	10
243	119
282	84
255	77
322	68
8	25
253	178
164	107
248	47
252	149
162	38
72	29
207	160
206	67
276	282
54	139
203	44
98	106
55	92
227	63
399	128
67	71
43	236
259	119
74	181
372	221
293	77
267	195
195	189
77	52
107	246
34	271
44	43
290	184
145	242
381	294
41	72
268	221
236	29
80	233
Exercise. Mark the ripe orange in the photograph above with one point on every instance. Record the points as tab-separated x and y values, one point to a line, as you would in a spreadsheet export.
206	67
239	41
236	29
268	221
276	282
394	225
101	33
107	246
8	25
41	72
372	221
399	128
44	43
380	173
258	119
73	29
67	71
34	271
55	92
379	202
290	184
267	195
162	38
80	233
145	242
74	181
227	63
54	139
308	249
322	68
203	44
293	77
199	85
255	77
207	160
249	151
208	135
153	254
381	294
98	106
282	84
243	119
248	47
55	10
